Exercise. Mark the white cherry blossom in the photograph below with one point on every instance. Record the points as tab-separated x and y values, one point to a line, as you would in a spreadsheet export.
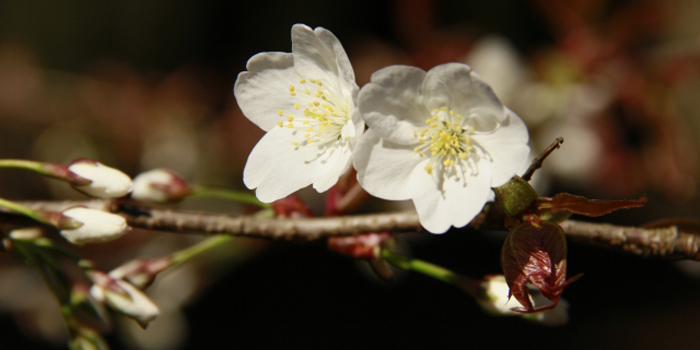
441	139
305	100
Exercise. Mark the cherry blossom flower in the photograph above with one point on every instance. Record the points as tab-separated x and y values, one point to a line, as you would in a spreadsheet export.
305	100
441	139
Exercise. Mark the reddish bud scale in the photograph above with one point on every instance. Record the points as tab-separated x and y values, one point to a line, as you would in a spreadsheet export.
106	282
536	255
291	206
141	272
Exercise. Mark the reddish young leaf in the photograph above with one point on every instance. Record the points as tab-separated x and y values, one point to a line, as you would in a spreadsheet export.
589	207
536	255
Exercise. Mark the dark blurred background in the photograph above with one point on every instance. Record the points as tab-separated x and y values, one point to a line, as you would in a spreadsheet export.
146	84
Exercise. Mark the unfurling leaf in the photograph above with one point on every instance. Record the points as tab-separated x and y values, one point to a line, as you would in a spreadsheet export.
589	207
536	255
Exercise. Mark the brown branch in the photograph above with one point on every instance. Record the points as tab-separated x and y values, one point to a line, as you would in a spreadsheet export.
666	242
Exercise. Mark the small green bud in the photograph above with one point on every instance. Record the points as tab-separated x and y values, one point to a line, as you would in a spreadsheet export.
515	196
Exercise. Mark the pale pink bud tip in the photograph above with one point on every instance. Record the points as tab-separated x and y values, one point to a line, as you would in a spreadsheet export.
159	186
98	180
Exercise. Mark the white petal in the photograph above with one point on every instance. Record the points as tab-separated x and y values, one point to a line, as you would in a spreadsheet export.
341	165
318	53
264	89
456	206
392	105
387	170
456	86
277	168
507	147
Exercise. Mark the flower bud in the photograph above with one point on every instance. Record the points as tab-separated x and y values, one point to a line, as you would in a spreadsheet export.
365	246
141	272
496	300
98	180
84	338
160	186
97	226
291	206
27	233
124	298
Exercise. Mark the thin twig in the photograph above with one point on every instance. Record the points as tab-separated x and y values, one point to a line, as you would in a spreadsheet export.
668	242
537	162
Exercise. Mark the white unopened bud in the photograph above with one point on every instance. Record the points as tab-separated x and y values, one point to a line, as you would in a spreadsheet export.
160	186
102	181
97	226
126	299
26	233
495	300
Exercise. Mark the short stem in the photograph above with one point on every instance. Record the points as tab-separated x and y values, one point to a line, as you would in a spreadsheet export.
45	243
47	169
26	211
424	267
199	248
470	285
238	196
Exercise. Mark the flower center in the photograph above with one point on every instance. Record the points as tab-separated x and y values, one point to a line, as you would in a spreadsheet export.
319	115
447	143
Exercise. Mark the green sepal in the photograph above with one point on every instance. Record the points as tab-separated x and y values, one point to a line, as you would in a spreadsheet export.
515	196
